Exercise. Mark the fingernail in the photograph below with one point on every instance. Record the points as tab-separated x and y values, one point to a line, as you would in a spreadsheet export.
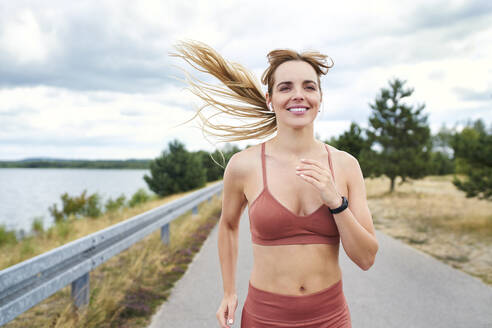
230	321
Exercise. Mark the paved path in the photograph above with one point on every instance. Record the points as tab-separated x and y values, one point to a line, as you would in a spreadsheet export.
404	288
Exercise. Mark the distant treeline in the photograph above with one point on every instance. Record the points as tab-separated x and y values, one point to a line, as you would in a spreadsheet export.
87	164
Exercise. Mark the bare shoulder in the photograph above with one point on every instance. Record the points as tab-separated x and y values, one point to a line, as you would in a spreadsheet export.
342	157
344	160
235	177
239	165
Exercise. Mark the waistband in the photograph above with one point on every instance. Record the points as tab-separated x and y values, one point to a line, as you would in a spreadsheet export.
326	303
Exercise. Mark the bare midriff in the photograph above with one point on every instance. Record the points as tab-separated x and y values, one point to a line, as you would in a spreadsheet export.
291	269
295	269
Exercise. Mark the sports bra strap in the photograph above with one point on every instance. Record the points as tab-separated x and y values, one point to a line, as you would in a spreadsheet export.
330	163
263	164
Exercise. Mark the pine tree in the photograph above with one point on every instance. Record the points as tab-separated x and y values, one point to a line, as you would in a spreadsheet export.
352	140
175	171
401	132
356	143
441	161
473	156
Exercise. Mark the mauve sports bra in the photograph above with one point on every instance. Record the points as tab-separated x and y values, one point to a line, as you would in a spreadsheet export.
271	223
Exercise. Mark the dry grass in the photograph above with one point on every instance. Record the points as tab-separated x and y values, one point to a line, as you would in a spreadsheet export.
126	290
432	215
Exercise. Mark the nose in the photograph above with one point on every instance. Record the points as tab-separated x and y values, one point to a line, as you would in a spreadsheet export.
298	94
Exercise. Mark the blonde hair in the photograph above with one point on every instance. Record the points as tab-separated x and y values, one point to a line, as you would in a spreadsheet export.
239	85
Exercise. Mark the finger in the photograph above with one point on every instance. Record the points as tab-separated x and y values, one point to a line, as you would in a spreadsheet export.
315	166
311	180
230	317
311	168
221	317
313	162
312	173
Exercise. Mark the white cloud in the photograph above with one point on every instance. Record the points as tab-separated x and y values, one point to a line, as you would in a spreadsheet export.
93	79
25	40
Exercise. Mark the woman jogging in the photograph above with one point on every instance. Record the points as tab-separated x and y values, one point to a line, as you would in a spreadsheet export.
304	197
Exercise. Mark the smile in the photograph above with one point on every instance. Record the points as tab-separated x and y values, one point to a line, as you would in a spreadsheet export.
297	109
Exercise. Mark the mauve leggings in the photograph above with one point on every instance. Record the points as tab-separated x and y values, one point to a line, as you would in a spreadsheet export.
326	308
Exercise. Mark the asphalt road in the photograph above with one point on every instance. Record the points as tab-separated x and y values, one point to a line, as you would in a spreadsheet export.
405	288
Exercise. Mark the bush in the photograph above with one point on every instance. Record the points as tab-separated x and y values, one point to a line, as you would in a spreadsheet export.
139	197
6	237
440	164
473	157
215	162
92	207
37	225
176	170
77	206
113	205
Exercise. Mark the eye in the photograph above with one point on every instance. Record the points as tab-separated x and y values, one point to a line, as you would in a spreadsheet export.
284	88
311	87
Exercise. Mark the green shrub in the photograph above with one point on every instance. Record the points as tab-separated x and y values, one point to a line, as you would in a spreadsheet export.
55	213
37	225
139	197
92	207
73	205
113	205
78	206
6	237
176	170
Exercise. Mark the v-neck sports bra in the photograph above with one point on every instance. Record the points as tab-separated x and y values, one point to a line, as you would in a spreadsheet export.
271	223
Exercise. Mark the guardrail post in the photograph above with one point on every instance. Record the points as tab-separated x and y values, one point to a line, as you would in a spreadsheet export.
195	210
80	290
165	234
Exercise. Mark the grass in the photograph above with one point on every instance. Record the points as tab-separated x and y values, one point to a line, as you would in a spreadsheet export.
126	290
432	215
429	203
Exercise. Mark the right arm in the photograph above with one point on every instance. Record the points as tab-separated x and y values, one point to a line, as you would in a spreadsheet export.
233	204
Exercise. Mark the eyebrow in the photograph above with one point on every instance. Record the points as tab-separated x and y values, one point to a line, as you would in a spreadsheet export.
290	82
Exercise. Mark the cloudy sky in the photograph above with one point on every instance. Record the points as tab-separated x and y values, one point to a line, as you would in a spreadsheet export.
93	79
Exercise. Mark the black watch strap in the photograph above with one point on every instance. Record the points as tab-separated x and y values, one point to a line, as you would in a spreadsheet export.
342	207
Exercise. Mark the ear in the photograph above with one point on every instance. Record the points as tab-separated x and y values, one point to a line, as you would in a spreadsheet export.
267	97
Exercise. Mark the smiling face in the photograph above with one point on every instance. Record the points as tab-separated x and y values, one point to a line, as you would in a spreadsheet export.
295	87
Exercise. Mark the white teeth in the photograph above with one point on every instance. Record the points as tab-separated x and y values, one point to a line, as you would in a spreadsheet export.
297	109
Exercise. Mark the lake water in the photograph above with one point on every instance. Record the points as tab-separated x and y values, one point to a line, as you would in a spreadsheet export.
27	193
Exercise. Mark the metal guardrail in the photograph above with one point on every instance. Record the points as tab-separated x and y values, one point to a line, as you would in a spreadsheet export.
24	285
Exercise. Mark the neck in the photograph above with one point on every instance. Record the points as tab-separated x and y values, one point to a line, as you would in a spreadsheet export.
295	143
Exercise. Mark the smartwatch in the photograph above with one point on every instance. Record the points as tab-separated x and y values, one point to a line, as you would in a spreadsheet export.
342	207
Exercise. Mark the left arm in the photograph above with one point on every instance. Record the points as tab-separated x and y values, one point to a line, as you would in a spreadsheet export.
355	222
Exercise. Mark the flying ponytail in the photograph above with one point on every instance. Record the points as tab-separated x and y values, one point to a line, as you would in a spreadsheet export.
239	85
